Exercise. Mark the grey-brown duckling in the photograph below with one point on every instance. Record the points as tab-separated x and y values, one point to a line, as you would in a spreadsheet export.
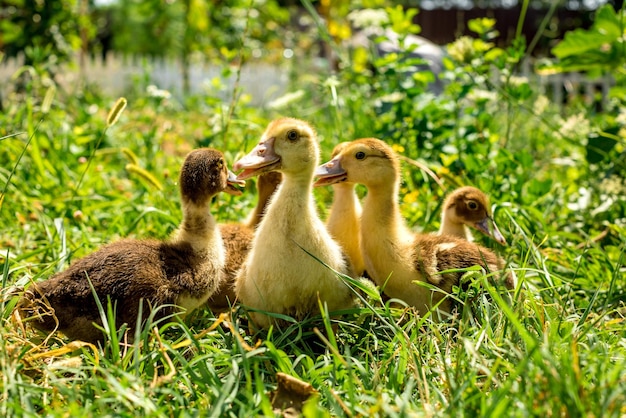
468	207
183	271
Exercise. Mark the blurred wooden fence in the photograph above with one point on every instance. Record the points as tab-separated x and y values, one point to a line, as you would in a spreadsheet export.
263	82
117	74
563	88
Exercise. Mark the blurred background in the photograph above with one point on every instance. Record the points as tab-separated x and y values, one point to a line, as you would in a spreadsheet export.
180	44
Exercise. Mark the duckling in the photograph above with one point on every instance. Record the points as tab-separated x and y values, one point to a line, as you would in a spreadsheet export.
468	207
237	239
184	271
284	273
266	186
395	258
344	219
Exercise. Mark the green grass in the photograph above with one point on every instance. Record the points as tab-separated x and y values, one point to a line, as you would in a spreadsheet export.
554	347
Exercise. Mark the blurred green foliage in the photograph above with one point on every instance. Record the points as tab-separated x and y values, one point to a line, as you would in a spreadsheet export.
46	32
213	29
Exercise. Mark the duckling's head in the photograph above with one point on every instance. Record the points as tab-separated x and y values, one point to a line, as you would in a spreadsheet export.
288	145
367	161
338	148
470	206
325	181
204	174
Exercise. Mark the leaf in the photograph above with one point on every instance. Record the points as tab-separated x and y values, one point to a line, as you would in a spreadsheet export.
197	17
481	26
67	348
579	42
539	187
494	54
607	22
290	395
606	29
598	148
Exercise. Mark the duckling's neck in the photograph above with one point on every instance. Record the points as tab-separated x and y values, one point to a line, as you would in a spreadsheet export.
198	228
384	236
301	182
382	210
291	212
344	222
346	207
457	229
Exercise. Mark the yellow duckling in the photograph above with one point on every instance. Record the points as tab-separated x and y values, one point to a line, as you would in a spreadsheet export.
284	273
344	220
238	241
395	258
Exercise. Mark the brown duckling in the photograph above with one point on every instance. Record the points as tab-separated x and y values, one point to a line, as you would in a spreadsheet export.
468	207
284	272
184	271
238	240
395	258
344	219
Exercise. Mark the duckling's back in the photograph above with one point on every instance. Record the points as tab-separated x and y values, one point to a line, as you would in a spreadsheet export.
127	271
435	254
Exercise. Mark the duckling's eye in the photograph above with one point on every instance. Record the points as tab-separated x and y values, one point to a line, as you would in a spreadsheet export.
472	205
359	155
292	135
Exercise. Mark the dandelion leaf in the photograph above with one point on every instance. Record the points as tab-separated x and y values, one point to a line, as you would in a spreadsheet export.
289	397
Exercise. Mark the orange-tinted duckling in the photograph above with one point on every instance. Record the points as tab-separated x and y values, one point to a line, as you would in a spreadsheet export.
283	272
344	219
468	207
395	258
184	271
238	241
266	185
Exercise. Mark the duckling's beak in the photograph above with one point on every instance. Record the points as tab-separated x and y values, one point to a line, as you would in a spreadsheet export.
260	160
330	173
488	227
231	184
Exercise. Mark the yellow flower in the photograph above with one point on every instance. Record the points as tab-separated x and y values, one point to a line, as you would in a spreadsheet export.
397	148
411	197
442	171
462	49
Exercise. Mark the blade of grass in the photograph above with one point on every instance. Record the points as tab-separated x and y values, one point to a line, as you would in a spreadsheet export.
19	158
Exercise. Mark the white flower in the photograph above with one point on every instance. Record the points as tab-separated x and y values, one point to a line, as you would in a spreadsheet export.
621	117
613	185
620	222
367	18
154	91
286	99
576	126
394	97
462	49
515	80
583	201
541	104
482	95
606	204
